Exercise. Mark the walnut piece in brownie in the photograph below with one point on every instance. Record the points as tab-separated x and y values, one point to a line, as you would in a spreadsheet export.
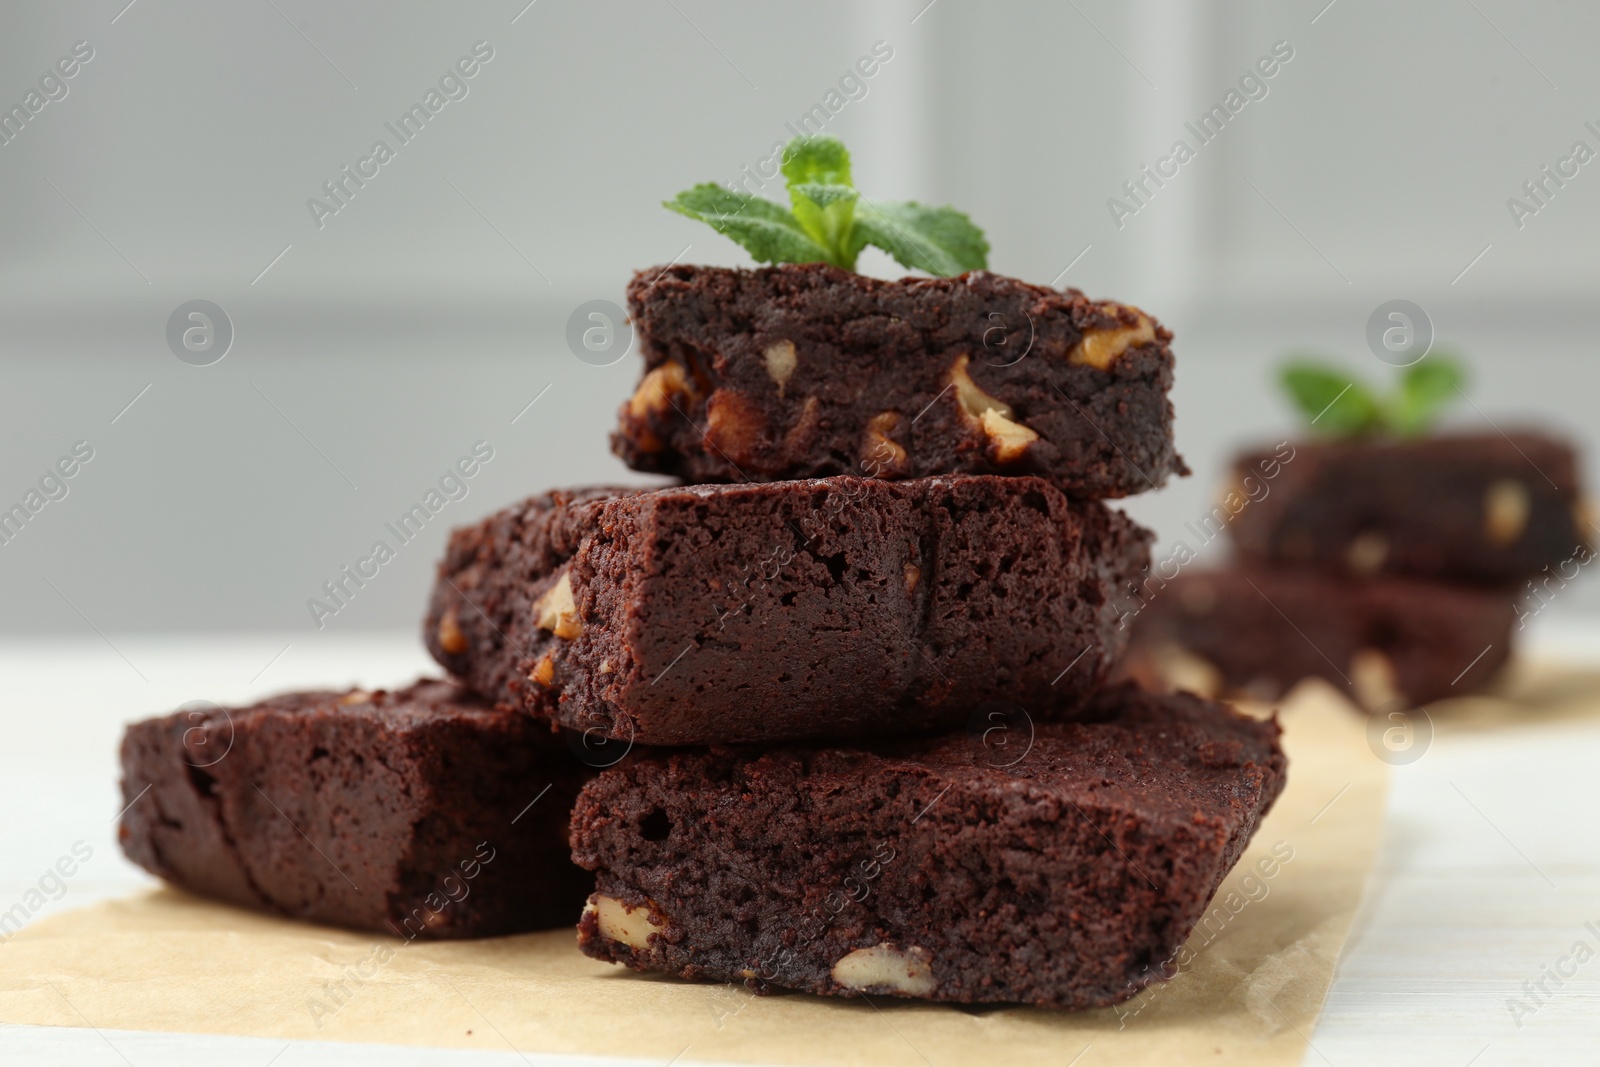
1256	631
401	812
838	607
1478	508
806	370
1068	879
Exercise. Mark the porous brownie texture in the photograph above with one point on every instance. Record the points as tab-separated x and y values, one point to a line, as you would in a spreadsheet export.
420	813
1487	508
1069	877
838	607
1256	631
806	370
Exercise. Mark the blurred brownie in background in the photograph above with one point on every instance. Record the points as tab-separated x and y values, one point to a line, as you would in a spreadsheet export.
1256	631
1486	508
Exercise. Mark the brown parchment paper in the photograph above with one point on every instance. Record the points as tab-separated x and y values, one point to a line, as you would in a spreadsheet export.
1254	978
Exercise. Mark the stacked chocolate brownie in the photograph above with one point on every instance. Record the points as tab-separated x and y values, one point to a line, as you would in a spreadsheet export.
423	813
1397	570
841	692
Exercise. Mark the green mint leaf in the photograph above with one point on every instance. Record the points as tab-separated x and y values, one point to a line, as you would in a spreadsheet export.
812	164
829	222
768	232
826	211
822	195
939	240
823	160
1425	388
1332	401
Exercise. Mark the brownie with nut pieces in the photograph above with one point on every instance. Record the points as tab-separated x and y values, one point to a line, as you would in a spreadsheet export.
1486	508
806	370
1255	631
835	607
422	812
946	869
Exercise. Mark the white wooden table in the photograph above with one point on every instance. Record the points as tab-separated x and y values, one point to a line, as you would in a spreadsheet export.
1489	869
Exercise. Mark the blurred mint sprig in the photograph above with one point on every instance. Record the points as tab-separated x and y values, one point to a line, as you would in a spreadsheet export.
1338	404
828	221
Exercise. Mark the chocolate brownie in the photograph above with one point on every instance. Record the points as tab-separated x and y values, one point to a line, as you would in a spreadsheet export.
806	370
1480	508
1256	631
834	607
1068	876
422	813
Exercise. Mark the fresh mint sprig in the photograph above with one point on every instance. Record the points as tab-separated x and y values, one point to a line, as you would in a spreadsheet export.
1340	405
829	221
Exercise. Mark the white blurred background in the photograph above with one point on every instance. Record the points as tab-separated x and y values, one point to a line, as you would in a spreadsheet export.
371	352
